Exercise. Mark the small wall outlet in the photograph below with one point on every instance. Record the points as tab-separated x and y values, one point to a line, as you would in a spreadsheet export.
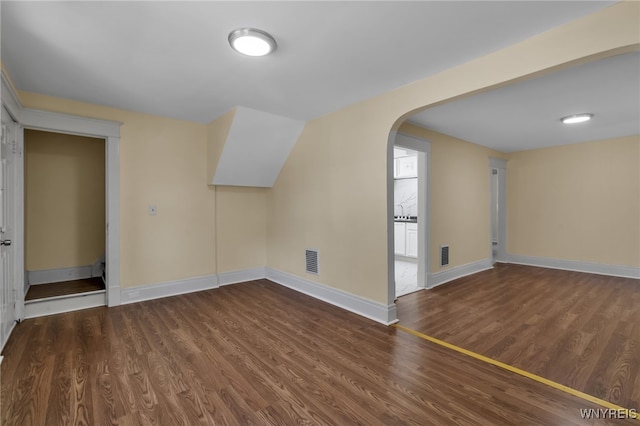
153	210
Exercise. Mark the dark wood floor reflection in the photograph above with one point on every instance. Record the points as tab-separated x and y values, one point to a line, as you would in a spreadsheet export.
254	353
580	330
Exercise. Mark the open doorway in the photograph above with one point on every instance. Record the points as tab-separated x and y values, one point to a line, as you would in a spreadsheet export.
497	206
410	214
64	221
405	219
107	131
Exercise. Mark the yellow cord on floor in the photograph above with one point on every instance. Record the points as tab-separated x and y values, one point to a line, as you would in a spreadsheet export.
629	414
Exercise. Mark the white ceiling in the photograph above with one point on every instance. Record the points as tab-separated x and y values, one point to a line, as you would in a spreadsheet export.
173	59
527	115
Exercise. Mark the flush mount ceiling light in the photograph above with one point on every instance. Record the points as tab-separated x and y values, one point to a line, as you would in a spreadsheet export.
252	42
576	118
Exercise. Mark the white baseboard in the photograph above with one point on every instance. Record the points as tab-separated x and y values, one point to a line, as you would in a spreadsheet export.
57	275
168	288
439	278
356	304
114	295
5	339
405	258
384	314
576	265
234	277
61	304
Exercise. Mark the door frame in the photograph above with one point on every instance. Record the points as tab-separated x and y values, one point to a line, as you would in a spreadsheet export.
501	165
10	102
9	195
423	148
34	119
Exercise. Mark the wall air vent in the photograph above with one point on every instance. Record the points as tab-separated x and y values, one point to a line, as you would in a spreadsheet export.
311	261
444	255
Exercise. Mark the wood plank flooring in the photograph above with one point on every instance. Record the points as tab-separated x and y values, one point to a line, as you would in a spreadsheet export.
255	353
42	291
580	330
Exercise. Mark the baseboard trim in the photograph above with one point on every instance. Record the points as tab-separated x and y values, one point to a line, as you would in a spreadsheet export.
59	305
167	288
48	276
576	265
234	277
405	258
5	339
364	307
442	277
384	314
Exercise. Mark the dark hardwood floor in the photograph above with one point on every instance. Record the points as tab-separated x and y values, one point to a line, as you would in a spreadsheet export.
42	291
580	330
255	353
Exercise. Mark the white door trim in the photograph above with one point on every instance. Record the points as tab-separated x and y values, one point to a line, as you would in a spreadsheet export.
391	268
8	289
10	101
423	147
83	126
501	166
72	124
18	268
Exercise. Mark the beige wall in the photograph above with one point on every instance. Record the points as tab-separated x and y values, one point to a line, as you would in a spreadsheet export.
332	192
163	162
64	200
241	222
576	202
459	197
329	196
240	213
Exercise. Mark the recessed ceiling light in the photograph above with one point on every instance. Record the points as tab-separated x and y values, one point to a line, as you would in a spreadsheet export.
576	118
252	42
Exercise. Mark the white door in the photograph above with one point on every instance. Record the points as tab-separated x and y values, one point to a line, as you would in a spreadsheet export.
7	299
